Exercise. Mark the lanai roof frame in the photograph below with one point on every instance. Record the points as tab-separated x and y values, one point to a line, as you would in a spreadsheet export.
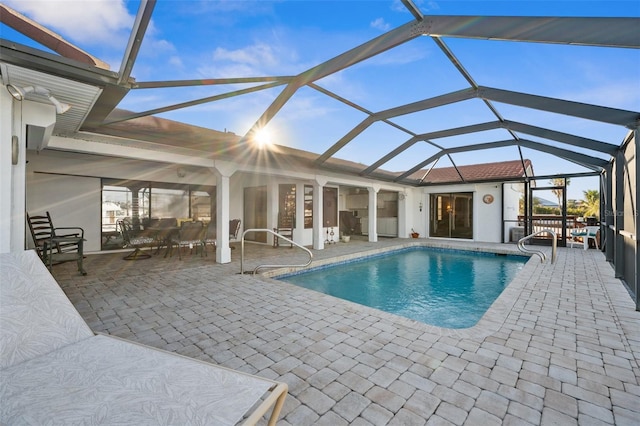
552	30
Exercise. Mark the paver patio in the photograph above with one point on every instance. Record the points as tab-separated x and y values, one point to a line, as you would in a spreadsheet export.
560	346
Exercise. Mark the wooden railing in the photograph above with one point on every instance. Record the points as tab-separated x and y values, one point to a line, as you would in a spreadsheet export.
553	222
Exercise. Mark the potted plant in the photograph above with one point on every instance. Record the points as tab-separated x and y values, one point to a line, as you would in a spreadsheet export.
346	237
414	234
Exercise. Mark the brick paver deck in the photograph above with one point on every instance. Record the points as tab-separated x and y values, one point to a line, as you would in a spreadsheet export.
560	346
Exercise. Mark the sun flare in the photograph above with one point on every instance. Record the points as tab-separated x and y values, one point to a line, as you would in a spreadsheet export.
263	137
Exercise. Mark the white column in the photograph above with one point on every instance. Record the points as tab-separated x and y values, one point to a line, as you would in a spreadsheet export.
298	231
13	188
9	231
223	172
402	215
223	250
318	213
273	207
373	214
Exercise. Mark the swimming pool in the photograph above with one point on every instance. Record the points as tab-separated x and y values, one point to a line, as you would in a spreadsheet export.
445	288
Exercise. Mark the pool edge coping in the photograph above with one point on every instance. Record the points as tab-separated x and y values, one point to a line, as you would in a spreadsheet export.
490	322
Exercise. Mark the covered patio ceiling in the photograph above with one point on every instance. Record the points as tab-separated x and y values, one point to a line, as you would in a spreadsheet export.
100	107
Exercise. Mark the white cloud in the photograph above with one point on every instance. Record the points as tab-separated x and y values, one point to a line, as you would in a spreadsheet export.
257	59
162	46
257	55
176	62
86	22
379	24
607	94
306	107
398	6
422	5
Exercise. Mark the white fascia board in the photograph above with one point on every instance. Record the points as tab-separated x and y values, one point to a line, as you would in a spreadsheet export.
123	151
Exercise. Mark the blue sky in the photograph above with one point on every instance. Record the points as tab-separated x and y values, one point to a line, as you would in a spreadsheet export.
191	39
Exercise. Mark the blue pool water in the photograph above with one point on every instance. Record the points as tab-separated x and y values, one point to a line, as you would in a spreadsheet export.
451	289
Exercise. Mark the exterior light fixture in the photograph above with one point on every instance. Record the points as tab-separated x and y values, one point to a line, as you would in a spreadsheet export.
16	92
420	205
19	93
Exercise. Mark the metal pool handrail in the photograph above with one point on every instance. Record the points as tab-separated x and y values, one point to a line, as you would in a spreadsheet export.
543	257
271	266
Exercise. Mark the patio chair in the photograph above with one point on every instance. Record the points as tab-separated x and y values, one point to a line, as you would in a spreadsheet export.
210	236
587	233
162	230
234	228
285	228
593	233
135	240
56	245
191	235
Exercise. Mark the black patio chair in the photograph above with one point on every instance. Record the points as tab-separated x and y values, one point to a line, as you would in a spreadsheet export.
56	245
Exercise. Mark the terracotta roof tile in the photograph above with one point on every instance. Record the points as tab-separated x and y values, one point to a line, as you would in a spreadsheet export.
475	172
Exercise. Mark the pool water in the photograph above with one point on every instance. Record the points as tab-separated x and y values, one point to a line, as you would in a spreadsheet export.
445	288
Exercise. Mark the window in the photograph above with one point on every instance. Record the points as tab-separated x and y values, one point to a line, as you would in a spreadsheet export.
286	206
451	215
202	204
308	206
193	202
170	201
124	199
116	205
140	201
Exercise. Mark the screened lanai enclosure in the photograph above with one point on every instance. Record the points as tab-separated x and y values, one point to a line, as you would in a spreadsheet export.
403	91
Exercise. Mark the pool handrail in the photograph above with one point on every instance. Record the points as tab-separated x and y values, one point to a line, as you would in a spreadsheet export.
543	257
270	231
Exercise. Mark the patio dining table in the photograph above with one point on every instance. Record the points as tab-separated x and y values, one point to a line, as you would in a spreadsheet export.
163	235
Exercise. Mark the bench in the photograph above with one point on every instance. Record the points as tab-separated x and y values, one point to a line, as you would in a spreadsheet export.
55	370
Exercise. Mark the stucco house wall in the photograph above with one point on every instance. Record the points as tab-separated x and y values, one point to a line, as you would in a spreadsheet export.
487	217
66	180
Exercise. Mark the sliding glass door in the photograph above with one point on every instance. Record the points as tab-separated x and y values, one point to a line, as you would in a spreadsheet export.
140	201
255	212
451	215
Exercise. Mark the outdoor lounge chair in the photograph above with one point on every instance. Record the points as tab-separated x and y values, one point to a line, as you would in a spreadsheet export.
56	371
56	245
